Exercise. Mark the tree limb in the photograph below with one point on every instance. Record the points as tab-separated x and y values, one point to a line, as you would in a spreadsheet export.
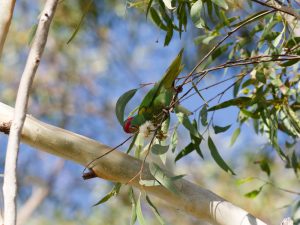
6	12
120	167
34	57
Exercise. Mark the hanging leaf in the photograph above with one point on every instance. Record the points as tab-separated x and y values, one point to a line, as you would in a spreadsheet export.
265	167
196	14
185	151
221	3
155	211
219	129
121	104
168	37
295	163
162	178
159	149
235	135
239	102
174	139
133	207
115	190
254	193
244	180
139	212
189	126
157	20
203	115
81	21
217	157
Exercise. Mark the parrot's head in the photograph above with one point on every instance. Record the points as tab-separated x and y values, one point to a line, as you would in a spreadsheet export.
129	127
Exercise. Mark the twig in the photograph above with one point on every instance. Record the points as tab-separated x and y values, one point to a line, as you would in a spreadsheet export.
6	12
221	42
34	57
106	153
281	8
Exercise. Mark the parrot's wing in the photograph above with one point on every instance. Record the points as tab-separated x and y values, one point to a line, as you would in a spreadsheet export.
167	81
172	72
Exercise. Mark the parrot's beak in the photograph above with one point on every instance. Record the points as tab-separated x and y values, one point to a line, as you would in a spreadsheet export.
128	128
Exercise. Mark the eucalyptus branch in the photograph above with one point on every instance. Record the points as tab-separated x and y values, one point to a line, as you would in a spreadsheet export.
33	60
281	8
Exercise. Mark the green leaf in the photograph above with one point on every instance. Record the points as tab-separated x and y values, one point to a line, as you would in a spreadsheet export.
295	163
148	8
168	37
185	151
168	4
217	157
121	104
219	129
254	193
159	149
139	212
115	190
239	102
155	211
244	180
133	207
221	3
81	21
203	114
189	126
149	183
235	135
265	167
157	20
174	139
196	14
162	178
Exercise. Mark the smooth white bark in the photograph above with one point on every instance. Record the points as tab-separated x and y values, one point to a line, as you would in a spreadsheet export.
6	13
33	60
121	167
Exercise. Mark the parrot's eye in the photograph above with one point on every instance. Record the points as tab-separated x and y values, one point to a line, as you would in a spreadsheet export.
128	128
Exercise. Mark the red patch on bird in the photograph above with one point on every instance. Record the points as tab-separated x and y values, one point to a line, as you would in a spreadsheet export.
127	126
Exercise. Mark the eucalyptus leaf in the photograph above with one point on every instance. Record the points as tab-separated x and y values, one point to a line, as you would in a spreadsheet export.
155	211
235	135
219	129
254	193
162	178
159	149
217	157
133	207
139	213
121	104
221	3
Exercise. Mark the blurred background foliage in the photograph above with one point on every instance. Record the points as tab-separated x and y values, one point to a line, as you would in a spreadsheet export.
116	49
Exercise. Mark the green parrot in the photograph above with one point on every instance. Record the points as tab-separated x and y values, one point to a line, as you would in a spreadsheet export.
158	98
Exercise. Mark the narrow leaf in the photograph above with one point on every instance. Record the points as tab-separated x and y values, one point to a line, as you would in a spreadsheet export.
219	129
159	149
81	21
162	178
115	190
185	151
221	3
121	104
139	212
217	157
244	180
235	135
133	207
239	102
254	193
155	211
203	114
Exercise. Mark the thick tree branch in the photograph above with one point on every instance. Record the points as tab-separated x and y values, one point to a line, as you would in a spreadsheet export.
34	57
6	13
120	167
